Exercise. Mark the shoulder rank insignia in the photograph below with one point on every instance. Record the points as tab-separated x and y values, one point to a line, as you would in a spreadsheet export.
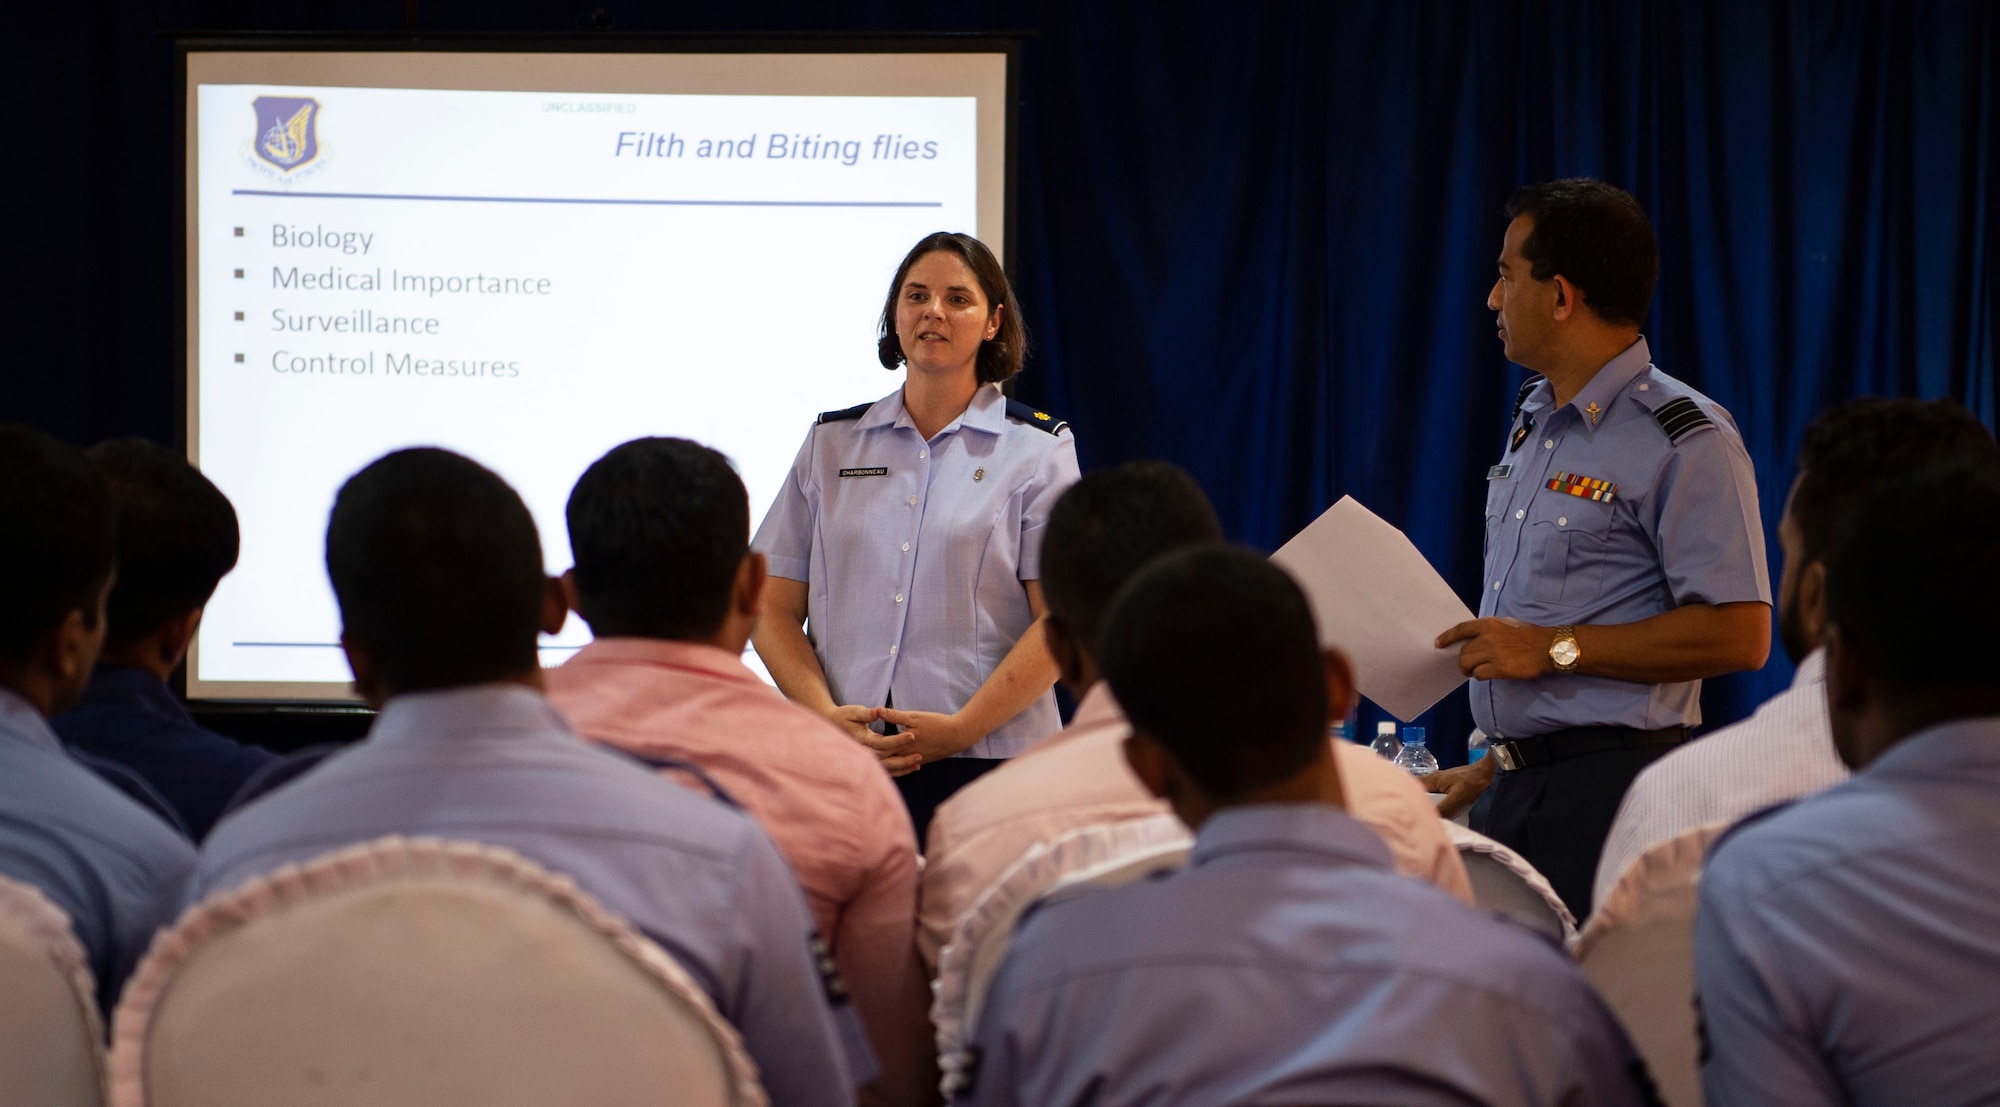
1041	420
1680	418
844	414
1590	488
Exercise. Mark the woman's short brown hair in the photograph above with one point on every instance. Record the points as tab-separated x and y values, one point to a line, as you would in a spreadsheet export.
999	356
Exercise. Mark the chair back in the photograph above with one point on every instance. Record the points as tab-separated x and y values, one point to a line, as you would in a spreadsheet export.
51	1040
407	972
1503	881
1098	856
1638	951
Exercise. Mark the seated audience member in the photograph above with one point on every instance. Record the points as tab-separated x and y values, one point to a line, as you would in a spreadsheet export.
1785	750
176	540
1287	963
437	569
110	864
1847	948
1102	531
665	577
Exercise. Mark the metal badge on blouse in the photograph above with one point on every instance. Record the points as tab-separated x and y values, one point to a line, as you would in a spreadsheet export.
979	474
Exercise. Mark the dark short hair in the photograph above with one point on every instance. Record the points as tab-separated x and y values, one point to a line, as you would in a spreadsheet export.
1213	653
1598	237
438	570
1910	578
1854	446
999	357
1107	527
58	538
177	535
658	527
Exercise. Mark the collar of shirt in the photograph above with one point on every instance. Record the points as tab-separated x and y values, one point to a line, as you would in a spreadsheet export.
19	720
1957	748
1811	670
133	685
475	711
667	653
1291	827
1096	710
1604	388
987	412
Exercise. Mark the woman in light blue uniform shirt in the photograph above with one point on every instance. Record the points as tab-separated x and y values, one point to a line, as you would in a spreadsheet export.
908	539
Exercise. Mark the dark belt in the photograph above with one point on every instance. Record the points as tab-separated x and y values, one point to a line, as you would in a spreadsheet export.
1561	745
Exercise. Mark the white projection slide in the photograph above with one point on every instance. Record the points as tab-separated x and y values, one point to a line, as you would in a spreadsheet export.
529	278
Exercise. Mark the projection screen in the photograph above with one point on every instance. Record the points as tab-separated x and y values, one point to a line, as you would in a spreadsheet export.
530	257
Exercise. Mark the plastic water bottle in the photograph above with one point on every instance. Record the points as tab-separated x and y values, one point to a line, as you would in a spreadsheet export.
1385	743
1415	756
1476	746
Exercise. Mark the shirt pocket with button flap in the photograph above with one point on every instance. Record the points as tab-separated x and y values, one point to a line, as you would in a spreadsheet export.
1501	481
1569	542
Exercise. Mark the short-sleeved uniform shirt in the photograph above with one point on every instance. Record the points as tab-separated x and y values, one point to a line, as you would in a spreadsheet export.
113	867
496	764
1288	964
1633	499
1847	948
914	551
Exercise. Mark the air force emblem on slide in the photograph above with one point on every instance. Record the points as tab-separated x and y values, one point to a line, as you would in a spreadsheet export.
287	131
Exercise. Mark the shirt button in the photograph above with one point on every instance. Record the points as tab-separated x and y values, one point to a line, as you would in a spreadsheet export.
1496	586
1548	443
1562	520
906	547
923	453
1519	514
899	597
1645	387
913	501
892	651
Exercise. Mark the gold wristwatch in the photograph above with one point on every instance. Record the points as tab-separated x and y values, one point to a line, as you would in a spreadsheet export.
1563	651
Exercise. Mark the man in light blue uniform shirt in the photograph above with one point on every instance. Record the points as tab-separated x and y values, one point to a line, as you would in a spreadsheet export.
1847	948
112	866
1624	550
1288	963
438	571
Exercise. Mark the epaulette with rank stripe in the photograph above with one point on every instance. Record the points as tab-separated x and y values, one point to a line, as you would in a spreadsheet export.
844	414
1680	418
1041	420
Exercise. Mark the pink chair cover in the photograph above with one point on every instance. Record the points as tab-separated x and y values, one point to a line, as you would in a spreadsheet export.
1638	951
385	886
51	1040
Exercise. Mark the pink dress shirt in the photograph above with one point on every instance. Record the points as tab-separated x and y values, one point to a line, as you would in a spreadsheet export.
1078	777
821	797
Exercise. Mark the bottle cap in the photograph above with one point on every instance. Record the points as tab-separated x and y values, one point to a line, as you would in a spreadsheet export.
1413	735
1386	727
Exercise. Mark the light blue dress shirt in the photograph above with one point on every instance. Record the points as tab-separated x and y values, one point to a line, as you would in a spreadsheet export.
111	865
1847	949
1289	964
496	764
1679	525
914	553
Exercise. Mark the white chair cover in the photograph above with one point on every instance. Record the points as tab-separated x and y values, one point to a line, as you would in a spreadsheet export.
1503	881
1095	856
408	972
1638	951
51	1040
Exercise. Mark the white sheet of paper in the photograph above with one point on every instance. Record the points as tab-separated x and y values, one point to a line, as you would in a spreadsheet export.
1379	600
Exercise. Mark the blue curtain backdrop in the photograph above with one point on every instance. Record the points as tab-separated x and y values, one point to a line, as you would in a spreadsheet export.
1255	239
